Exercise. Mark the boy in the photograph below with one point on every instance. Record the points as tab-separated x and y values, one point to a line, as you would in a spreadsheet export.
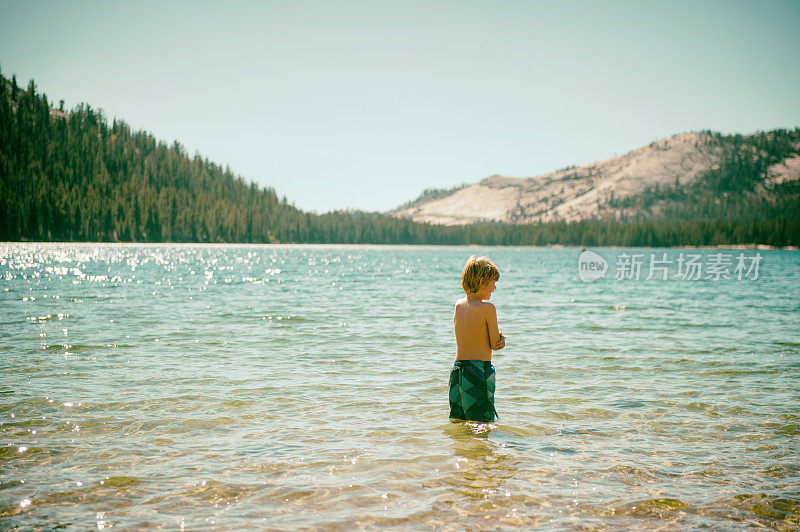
475	322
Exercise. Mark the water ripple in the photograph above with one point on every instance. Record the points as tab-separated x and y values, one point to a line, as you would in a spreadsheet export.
284	387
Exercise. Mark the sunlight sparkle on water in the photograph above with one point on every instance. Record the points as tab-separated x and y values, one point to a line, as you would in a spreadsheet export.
622	405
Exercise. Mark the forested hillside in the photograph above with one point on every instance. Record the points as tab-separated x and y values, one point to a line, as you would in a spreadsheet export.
69	175
72	176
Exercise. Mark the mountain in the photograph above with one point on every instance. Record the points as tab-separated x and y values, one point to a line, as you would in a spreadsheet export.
69	175
72	176
666	175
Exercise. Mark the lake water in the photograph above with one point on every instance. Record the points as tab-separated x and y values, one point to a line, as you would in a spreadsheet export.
306	387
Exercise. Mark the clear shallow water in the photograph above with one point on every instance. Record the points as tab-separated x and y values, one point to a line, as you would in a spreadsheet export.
306	386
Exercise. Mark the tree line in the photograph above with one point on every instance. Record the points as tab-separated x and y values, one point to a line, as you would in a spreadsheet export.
72	176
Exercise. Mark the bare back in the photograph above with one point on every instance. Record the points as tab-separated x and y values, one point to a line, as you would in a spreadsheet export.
475	323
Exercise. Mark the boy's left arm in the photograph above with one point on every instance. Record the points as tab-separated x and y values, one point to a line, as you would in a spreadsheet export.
496	338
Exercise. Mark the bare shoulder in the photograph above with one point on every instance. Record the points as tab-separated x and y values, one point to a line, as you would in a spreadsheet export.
485	310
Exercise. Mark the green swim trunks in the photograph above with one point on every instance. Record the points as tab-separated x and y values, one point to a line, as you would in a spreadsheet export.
472	391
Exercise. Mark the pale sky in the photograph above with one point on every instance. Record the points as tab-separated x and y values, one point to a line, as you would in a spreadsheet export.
365	104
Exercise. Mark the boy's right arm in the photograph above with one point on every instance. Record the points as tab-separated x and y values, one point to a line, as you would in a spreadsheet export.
496	339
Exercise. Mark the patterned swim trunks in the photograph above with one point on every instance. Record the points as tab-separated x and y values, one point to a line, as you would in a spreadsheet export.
472	391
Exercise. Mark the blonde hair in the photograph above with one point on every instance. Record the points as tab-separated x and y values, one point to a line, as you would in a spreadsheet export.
478	272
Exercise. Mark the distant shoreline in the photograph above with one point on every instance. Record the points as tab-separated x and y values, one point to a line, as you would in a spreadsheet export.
762	247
